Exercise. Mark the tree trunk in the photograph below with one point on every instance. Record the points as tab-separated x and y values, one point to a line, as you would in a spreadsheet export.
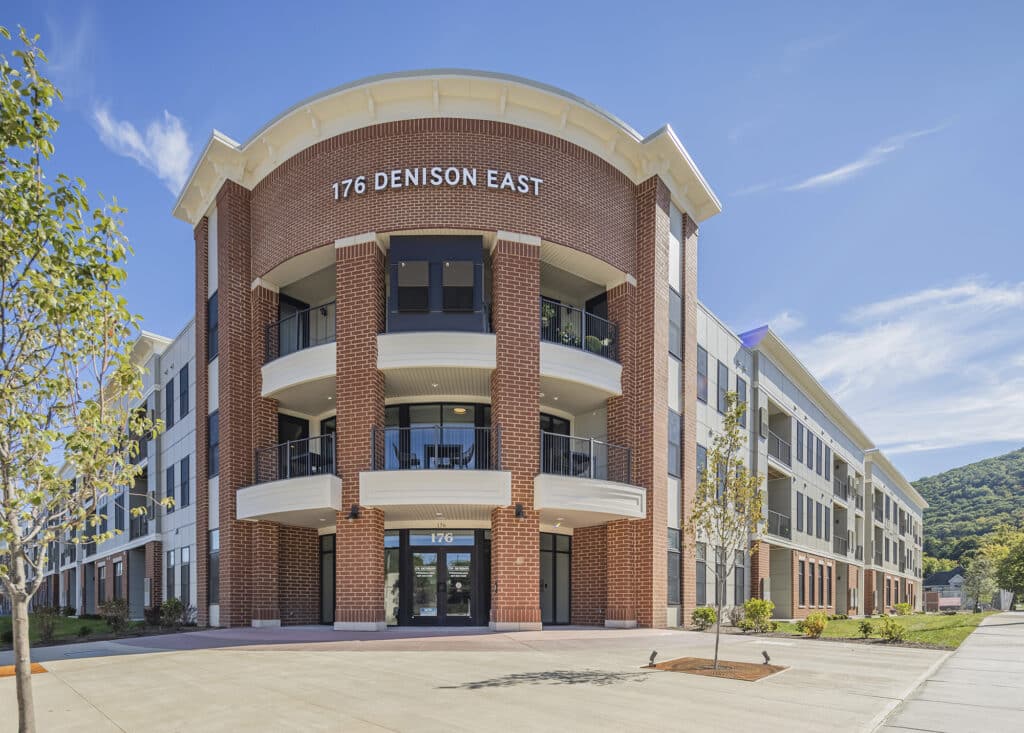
718	618
22	660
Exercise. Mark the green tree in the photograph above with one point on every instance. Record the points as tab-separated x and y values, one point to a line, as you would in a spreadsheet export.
979	580
1010	570
66	379
931	565
727	508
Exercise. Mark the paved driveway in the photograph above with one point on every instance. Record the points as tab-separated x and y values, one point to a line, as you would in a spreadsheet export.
561	679
979	688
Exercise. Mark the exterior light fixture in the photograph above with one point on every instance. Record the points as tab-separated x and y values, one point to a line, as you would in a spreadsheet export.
459	410
520	512
353	513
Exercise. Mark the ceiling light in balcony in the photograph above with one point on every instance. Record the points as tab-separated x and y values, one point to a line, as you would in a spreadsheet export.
459	410
435	385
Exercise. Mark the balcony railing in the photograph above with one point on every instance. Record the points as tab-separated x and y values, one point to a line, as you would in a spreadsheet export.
878	557
138	526
301	330
779	448
858	553
574	327
778	525
296	458
448	447
841	489
568	455
840	545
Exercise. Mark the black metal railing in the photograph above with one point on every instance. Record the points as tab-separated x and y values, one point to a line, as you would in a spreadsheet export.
779	448
568	455
778	525
840	545
841	489
295	459
138	526
574	327
442	447
300	330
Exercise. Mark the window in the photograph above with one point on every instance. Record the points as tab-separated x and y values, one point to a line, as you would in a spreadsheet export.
212	328
101	591
828	463
457	286
741	398
810	449
801	590
183	391
817	454
104	515
119	510
169	488
702	574
675	327
887	549
170	575
702	374
169	404
828	587
817	519
719	575
213	443
213	570
184	496
828	523
723	386
118	576
762	419
810	584
799	442
186	577
702	461
888	593
799	512
413	286
674	436
674	544
887	506
821	585
739	593
810	516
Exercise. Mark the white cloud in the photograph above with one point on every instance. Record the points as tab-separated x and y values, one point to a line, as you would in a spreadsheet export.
164	148
785	323
875	156
934	369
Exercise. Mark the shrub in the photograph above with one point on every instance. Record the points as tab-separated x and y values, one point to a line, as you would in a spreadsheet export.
189	614
735	615
152	615
171	613
7	636
90	617
774	626
84	630
703	617
814	624
759	613
115	613
949	613
891	630
903	609
866	628
68	611
45	619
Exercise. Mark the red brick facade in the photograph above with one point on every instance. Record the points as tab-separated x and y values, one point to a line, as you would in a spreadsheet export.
821	565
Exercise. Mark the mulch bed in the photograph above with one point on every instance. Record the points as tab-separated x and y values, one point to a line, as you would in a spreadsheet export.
8	671
744	671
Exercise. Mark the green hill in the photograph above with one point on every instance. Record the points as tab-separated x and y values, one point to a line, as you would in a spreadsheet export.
968	502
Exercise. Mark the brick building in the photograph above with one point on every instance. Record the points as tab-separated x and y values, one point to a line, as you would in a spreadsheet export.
448	366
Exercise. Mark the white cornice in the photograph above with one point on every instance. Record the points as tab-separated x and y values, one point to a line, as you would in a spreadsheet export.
447	93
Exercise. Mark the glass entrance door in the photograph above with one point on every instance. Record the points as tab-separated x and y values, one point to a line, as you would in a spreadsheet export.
425	573
442	587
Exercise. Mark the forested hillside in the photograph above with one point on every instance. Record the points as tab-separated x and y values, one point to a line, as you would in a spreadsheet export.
968	502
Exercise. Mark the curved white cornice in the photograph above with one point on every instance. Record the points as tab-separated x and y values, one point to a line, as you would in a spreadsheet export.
447	93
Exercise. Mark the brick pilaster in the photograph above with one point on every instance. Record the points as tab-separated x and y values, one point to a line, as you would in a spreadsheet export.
760	568
266	599
154	574
202	241
589	578
688	402
515	409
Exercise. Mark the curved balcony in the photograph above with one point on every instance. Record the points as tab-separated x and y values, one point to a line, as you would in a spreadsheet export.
300	359
413	362
578	356
427	472
295	483
585	482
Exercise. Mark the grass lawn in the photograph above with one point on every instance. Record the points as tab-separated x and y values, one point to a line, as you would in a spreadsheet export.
947	631
67	629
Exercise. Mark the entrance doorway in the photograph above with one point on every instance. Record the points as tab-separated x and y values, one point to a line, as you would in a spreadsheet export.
442	587
555	563
327	578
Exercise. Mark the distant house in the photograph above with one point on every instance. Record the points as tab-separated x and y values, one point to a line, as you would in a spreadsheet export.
945	591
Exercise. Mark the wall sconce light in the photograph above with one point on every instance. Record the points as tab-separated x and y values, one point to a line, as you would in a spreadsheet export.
520	512
353	513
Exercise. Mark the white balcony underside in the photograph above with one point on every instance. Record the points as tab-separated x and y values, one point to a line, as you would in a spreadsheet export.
435	494
309	501
583	502
302	380
581	380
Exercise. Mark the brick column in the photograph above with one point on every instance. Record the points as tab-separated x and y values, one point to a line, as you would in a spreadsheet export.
154	574
359	407
852	583
760	568
515	409
689	416
266	600
870	589
589	574
202	248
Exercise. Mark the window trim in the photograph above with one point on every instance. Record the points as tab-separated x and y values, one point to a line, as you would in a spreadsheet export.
799	511
183	401
723	401
703	382
169	404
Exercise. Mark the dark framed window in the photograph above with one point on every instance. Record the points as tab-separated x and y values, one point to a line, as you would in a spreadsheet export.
170	575
828	463
213	573
457	286
887	506
675	324
799	512
213	443
817	455
888	593
702	574
169	488
810	449
702	374
169	404
674	555
739	578
674	437
799	442
810	584
801	589
413	286
183	406
821	585
723	386
887	549
828	523
101	591
212	328
810	516
118	577
702	461
119	510
185	494
828	586
817	519
104	517
741	398
720	560
186	575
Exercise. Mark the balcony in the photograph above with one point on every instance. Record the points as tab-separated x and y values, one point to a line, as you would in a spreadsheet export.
840	545
878	513
138	526
303	329
858	553
294	484
584	481
841	489
577	329
779	449
778	525
433	447
858	500
878	558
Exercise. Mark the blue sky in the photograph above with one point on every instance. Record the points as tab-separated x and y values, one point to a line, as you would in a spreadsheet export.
868	160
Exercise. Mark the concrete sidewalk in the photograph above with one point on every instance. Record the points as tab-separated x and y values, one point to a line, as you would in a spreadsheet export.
979	688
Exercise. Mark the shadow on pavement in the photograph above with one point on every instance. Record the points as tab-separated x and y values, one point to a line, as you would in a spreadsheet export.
553	677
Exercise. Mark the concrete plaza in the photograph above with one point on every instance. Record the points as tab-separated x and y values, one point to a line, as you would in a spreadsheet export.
313	678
